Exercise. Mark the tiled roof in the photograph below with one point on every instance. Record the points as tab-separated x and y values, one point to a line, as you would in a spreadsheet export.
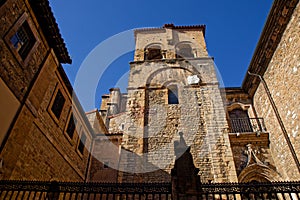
50	29
172	26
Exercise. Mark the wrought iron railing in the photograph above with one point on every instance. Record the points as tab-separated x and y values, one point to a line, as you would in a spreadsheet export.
97	191
32	190
242	125
251	191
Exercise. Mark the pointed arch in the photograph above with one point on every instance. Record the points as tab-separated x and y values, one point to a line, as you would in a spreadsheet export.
259	173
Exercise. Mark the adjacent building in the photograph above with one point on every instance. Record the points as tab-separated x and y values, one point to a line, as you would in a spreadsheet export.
45	134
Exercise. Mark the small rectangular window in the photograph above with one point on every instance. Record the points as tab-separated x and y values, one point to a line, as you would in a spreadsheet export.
71	126
2	2
173	95
105	165
82	143
58	104
23	40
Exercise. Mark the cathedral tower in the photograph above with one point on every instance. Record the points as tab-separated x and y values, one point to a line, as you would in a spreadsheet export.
172	88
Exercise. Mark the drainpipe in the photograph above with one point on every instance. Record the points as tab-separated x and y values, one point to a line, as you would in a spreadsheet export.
285	134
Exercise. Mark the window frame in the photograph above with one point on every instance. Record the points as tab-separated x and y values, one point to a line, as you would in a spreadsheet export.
23	40
57	120
57	101
13	30
106	165
173	92
71	137
81	143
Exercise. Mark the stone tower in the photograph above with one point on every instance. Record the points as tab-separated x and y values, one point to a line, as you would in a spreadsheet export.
172	88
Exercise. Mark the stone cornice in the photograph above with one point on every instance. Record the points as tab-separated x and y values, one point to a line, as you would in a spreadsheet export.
242	139
271	35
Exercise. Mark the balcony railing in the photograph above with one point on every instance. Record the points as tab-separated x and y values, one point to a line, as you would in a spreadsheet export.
242	125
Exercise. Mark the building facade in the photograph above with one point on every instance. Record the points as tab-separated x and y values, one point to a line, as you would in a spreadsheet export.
174	106
236	134
276	98
45	134
172	88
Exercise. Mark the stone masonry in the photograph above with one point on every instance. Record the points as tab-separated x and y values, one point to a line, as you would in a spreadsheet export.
282	78
37	146
151	124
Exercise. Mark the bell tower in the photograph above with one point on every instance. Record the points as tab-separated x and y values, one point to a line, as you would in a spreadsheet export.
172	88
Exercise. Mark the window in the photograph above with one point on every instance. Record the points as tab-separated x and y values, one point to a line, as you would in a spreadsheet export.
71	126
58	104
2	2
23	40
173	95
81	143
184	51
153	52
105	165
239	121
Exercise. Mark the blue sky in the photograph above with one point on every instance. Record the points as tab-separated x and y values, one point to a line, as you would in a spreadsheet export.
233	29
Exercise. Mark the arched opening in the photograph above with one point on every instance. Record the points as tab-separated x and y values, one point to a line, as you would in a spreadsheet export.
184	51
173	95
153	52
258	173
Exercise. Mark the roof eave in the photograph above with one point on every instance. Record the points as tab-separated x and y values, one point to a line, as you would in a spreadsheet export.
50	29
275	25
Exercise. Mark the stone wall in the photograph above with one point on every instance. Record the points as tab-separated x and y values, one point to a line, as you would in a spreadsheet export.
252	150
152	125
38	146
15	72
105	158
168	39
282	78
216	145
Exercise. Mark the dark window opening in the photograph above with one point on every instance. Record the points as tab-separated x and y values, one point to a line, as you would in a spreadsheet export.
105	165
153	53
58	104
173	95
23	40
184	51
71	126
2	2
82	143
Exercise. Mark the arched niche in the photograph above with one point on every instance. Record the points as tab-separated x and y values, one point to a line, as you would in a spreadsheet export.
153	52
184	50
